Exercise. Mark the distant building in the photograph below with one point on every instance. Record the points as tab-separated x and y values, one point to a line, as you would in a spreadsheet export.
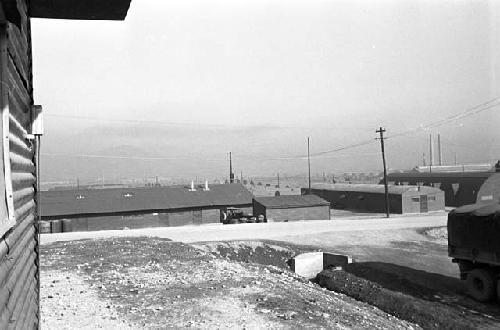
118	208
291	208
371	197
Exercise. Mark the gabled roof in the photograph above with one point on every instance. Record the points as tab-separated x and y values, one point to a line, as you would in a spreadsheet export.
80	9
373	188
291	201
125	200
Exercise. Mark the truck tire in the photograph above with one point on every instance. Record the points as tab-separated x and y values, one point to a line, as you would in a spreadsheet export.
498	290
482	284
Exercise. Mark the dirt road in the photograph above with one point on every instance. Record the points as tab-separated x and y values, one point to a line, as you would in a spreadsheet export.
188	234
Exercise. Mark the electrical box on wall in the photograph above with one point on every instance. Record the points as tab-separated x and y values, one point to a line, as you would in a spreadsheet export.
37	124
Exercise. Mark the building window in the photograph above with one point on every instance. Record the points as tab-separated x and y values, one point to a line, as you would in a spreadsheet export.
415	199
431	198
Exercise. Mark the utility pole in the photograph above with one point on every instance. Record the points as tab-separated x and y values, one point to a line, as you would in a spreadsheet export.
381	131
431	153
440	156
231	174
309	166
278	179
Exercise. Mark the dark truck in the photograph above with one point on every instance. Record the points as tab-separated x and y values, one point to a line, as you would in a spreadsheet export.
232	215
474	244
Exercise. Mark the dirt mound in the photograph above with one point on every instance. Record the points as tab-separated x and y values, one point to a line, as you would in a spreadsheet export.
154	283
265	252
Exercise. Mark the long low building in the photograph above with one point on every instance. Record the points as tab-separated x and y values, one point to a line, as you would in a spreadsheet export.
371	197
291	208
118	208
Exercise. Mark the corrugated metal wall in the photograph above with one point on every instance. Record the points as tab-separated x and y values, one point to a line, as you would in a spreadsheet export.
18	246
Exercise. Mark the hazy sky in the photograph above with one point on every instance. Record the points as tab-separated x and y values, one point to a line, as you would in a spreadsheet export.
259	77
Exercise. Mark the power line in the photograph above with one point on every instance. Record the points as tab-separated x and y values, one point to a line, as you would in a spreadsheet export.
467	113
197	124
126	157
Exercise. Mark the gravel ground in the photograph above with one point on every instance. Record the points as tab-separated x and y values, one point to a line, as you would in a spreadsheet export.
66	296
156	283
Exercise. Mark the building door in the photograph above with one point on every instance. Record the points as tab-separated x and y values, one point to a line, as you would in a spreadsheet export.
424	205
197	217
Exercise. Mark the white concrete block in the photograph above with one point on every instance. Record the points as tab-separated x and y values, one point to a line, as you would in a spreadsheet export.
310	264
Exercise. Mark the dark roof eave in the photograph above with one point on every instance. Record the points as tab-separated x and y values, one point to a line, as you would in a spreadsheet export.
115	10
294	206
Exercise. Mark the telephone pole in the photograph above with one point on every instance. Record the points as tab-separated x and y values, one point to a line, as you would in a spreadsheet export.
231	174
440	155
381	131
309	166
431	153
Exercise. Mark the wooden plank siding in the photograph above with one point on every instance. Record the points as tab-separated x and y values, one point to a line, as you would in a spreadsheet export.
298	213
19	282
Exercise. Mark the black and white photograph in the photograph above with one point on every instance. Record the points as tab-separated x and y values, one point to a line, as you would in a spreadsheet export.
249	164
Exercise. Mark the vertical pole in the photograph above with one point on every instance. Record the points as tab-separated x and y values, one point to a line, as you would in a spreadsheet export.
431	153
309	165
381	131
231	175
278	179
439	150
456	158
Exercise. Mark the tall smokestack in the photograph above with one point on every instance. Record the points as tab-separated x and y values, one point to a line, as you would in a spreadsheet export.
206	186
431	151
192	186
439	150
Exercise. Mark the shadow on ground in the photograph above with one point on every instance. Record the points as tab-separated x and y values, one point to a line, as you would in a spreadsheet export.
430	300
421	284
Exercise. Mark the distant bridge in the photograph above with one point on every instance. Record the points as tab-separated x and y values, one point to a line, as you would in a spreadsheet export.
460	188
